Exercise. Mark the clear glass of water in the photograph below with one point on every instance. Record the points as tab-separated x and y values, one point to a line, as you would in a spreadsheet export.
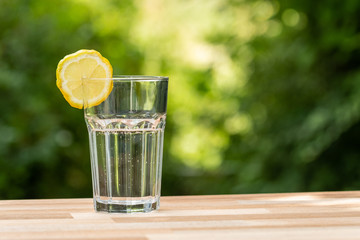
126	135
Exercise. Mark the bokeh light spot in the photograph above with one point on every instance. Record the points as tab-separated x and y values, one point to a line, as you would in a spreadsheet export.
64	138
290	17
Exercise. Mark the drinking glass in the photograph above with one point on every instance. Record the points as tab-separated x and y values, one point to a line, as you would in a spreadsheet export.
126	135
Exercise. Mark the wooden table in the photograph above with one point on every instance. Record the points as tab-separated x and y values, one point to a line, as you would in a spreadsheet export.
323	215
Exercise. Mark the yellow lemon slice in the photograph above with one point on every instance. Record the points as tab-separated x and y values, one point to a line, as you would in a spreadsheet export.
84	64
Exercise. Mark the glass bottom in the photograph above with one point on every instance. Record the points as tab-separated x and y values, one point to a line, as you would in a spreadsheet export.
127	206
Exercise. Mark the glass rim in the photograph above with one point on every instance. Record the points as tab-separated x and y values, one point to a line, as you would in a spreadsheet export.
133	78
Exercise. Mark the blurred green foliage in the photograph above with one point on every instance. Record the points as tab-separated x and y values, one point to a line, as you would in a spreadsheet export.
264	95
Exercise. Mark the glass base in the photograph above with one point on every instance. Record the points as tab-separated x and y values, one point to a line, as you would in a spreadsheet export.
126	206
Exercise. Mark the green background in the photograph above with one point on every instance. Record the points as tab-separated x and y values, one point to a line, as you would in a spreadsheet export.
264	96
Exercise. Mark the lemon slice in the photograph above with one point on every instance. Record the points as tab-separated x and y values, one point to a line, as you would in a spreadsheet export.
84	64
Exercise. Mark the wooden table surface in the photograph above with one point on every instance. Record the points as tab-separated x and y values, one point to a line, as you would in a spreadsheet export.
322	215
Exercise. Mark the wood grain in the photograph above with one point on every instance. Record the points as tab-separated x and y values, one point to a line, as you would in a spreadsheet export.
320	215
